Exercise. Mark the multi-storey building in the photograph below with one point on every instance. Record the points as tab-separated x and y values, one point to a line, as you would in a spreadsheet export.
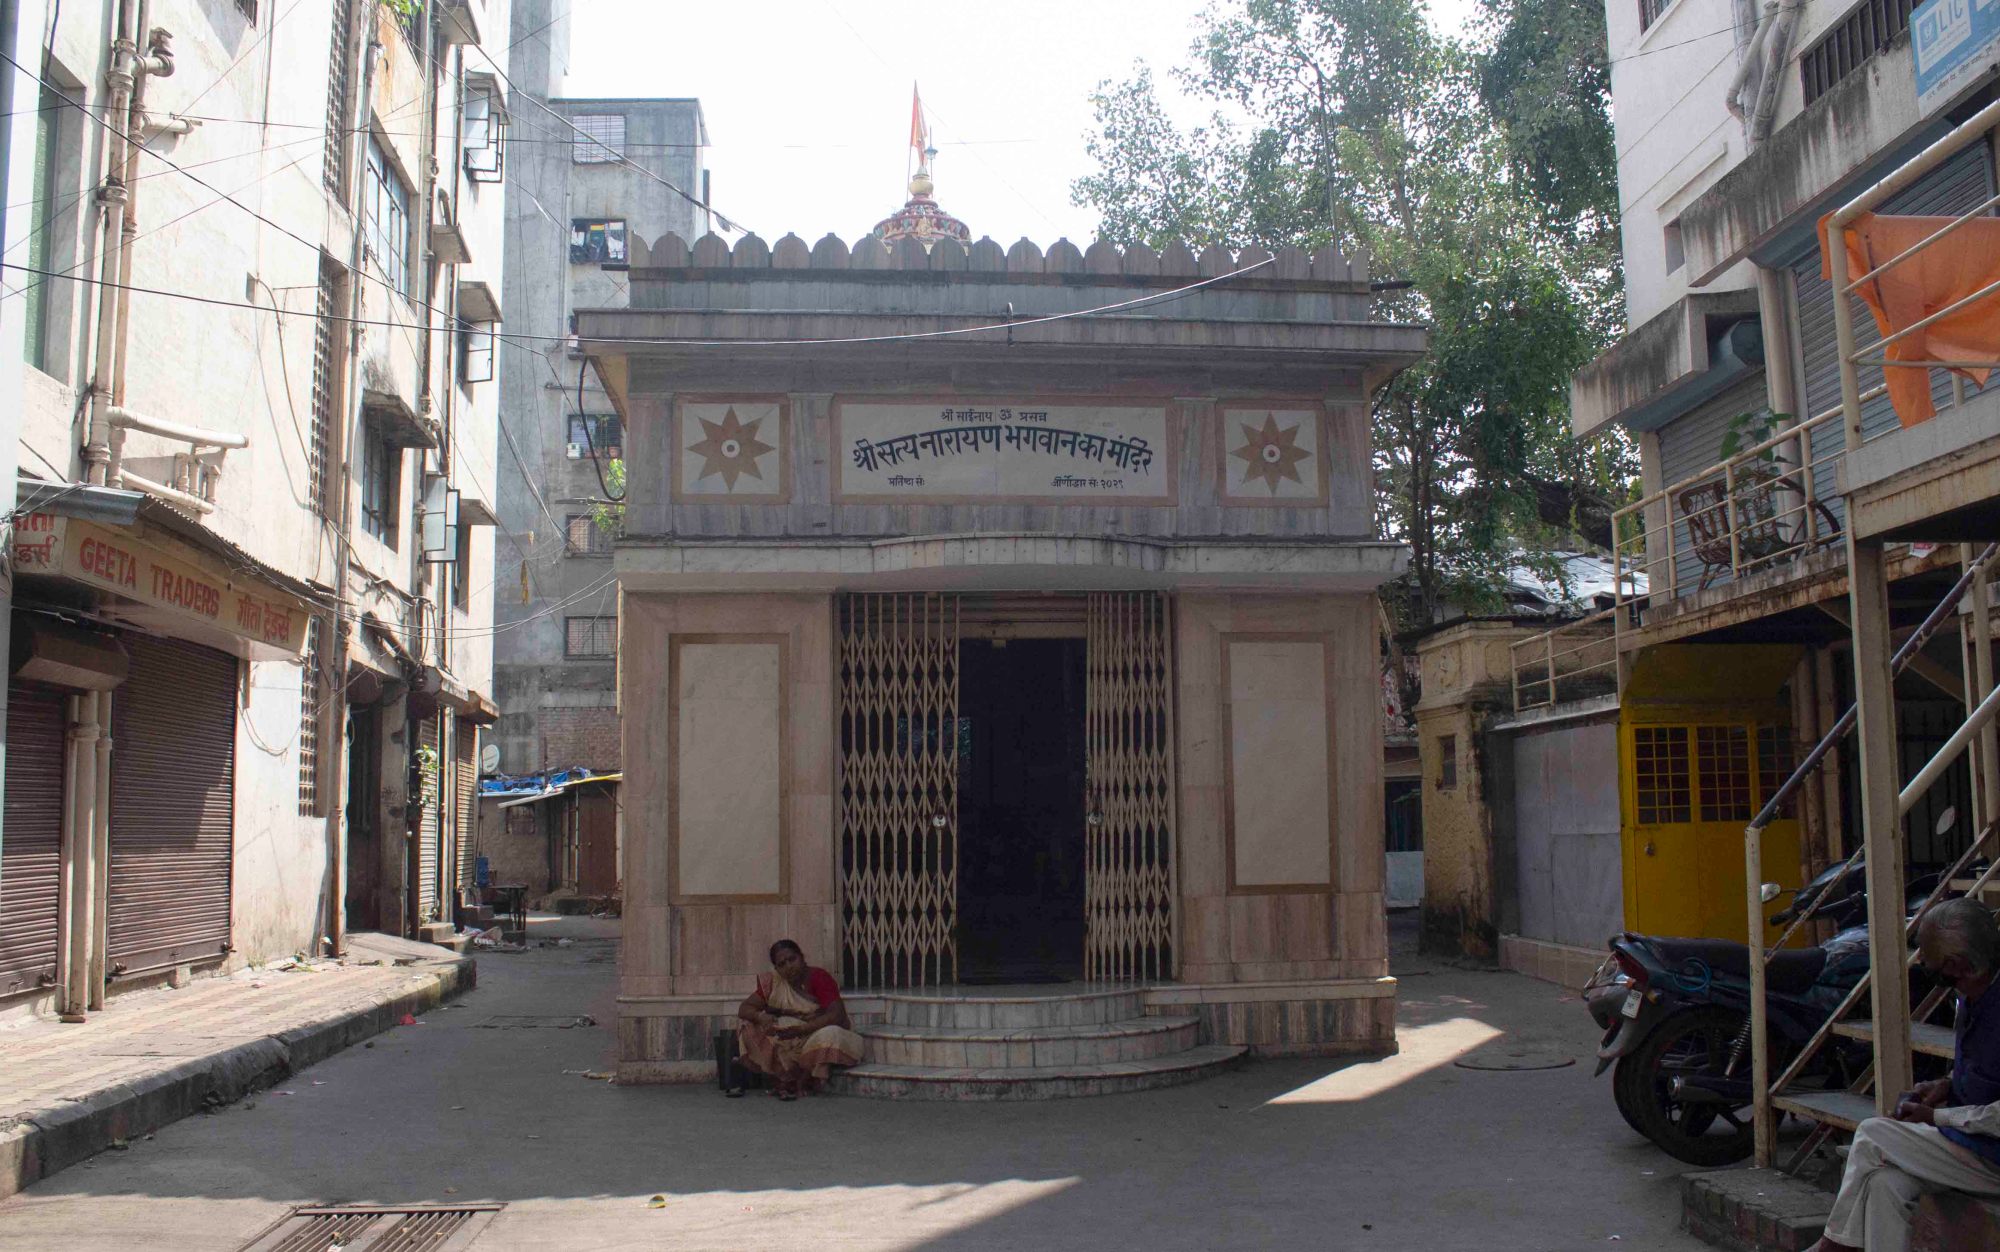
585	178
257	309
1821	468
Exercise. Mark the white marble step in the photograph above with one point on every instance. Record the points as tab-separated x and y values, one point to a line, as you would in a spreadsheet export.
1017	1008
986	1047
923	1082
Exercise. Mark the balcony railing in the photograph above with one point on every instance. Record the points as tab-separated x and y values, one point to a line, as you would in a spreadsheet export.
1763	508
1861	363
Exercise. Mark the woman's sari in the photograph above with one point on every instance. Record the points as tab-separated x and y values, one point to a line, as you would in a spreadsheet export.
815	1054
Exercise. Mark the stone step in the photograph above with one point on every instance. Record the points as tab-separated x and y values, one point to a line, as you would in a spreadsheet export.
1011	1009
990	1047
1035	1082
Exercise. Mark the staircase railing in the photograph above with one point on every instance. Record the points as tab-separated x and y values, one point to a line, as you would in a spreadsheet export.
1764	1089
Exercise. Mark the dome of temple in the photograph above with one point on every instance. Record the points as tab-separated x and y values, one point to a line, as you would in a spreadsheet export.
921	218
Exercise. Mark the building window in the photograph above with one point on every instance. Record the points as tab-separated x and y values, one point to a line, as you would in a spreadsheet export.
1867	29
1651	11
600	138
1676	254
333	171
599	241
1447	762
312	706
385	224
248	8
325	387
584	537
590	636
484	141
48	221
475	352
381	485
1661	774
461	569
596	432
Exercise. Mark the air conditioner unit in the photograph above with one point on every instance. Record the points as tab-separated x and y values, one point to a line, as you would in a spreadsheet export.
578	451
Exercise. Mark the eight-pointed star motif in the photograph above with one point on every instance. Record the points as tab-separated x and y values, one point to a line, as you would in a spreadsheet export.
1271	454
731	449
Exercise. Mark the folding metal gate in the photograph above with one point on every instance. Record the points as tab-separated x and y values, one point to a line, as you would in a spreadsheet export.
898	789
1129	865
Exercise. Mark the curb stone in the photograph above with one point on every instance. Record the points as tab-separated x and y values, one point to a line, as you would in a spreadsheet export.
43	1142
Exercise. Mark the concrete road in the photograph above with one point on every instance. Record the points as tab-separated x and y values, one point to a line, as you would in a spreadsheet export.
485	1101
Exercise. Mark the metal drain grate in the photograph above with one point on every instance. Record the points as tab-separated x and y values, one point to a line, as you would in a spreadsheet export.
564	1021
372	1228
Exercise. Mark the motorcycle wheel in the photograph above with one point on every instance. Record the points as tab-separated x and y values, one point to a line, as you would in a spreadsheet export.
1692	1041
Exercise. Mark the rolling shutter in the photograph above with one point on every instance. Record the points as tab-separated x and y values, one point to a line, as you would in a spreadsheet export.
1958	186
31	847
1690	444
173	775
428	832
466	761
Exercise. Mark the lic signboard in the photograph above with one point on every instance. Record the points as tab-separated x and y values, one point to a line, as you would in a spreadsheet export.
1955	42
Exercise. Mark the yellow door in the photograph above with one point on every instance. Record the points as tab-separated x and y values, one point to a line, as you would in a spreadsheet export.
1690	790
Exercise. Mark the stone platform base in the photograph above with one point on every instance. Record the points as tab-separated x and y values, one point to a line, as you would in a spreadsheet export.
1041	1041
1558	963
1762	1210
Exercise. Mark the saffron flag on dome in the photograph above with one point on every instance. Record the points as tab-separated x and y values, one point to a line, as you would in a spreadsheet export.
920	131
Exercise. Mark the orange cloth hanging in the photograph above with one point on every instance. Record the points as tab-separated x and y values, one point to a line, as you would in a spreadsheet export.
1940	276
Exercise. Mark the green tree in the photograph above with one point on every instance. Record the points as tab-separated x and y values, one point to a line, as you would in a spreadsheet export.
1351	122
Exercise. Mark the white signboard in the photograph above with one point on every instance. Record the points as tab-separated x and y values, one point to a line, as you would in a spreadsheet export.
1015	448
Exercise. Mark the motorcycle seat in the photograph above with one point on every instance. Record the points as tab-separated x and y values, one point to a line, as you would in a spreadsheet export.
1788	973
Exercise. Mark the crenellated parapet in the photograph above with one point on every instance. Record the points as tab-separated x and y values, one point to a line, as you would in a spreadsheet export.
1103	259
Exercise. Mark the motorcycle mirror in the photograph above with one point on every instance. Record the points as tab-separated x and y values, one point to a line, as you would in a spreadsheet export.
1768	892
1947	819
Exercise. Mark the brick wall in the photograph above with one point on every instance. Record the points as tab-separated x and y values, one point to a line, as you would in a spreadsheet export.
587	737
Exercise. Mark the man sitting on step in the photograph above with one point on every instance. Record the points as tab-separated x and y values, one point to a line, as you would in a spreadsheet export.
1946	1134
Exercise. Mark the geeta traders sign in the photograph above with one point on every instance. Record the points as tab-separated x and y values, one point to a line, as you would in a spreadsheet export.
1954	43
131	567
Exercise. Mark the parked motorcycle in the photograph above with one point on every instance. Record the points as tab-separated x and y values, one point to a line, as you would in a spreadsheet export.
1676	1020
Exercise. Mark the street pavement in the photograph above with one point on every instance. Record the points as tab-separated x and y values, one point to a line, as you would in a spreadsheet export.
492	1098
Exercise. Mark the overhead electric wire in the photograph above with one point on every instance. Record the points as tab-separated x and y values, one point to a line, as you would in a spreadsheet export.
904	337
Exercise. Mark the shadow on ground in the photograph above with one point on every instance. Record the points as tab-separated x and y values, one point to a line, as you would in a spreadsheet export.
488	1100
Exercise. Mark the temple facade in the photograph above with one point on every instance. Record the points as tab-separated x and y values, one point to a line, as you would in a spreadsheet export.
1001	623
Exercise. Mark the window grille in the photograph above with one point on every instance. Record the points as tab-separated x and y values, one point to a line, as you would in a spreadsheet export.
1776	760
602	138
599	432
597	240
312	707
461	570
590	636
1661	773
1722	761
325	388
248	8
1870	27
1651	11
333	171
584	537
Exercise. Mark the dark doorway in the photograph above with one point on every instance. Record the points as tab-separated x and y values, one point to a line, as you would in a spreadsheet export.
1021	763
364	838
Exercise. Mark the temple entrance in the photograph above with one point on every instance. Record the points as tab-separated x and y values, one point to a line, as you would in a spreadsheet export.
1021	782
1005	803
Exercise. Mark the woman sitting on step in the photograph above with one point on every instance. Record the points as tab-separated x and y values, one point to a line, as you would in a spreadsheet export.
794	1026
